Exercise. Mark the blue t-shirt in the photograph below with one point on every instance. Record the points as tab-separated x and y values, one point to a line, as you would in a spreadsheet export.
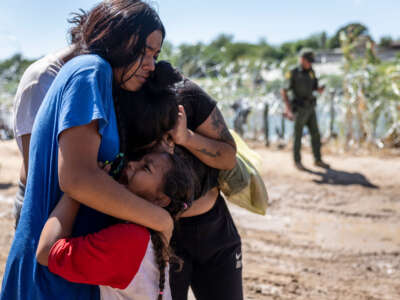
81	92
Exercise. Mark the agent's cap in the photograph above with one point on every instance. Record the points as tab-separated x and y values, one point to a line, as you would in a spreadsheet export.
308	54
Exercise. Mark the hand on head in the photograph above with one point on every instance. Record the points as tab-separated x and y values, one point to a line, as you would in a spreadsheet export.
180	133
166	144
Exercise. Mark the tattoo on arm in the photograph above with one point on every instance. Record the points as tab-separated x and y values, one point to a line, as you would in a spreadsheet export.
204	151
219	125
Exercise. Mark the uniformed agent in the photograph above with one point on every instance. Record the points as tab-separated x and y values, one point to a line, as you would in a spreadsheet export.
301	82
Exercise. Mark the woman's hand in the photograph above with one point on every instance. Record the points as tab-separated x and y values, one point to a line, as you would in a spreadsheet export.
166	144
180	133
106	167
211	142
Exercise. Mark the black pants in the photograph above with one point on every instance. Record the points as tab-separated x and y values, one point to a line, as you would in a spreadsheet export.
210	247
306	116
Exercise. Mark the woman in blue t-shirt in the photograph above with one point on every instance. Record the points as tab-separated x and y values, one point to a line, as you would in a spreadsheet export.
118	42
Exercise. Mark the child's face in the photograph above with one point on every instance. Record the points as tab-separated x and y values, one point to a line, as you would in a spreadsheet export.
145	177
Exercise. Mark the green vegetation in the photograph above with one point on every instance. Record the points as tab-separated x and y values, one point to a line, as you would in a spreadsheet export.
361	103
11	71
202	60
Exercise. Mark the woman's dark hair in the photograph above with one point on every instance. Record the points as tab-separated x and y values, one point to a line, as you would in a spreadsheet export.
116	30
78	19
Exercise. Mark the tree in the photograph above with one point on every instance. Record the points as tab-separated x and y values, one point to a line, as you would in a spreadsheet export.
385	41
222	40
169	53
353	30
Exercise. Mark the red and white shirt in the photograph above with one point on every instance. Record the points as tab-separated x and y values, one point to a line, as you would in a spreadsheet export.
120	259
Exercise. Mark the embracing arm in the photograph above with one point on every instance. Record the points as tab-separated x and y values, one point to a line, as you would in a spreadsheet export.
25	142
211	142
111	256
202	205
82	179
58	226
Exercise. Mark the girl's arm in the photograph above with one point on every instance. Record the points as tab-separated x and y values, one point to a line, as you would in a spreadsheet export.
58	226
202	205
211	142
82	179
112	256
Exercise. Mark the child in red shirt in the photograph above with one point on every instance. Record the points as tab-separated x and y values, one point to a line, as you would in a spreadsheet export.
126	260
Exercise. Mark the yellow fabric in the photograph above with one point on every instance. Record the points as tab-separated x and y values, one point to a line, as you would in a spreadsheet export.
245	151
243	185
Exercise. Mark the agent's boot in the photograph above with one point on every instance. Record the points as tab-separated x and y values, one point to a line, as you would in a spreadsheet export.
320	163
299	166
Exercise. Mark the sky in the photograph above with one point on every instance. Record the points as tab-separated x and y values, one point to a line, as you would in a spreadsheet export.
34	28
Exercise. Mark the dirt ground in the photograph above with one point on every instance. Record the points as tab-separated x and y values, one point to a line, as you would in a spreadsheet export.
328	234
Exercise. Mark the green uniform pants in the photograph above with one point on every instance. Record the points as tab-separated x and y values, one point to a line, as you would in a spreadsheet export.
306	116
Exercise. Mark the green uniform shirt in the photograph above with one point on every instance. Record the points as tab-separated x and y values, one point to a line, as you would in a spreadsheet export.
301	83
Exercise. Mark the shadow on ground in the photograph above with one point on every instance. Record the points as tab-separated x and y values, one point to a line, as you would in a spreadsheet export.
338	177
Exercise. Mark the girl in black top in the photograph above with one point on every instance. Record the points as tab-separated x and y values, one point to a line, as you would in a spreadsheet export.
206	237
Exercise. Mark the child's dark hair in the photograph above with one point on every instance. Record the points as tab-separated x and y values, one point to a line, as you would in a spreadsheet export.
179	187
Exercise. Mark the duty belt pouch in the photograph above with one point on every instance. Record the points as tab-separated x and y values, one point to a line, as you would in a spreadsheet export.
302	103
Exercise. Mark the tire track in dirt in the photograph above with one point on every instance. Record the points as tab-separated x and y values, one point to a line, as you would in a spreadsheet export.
287	270
324	241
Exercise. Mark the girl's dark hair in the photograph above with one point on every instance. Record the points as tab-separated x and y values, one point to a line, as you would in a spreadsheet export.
179	187
150	113
164	76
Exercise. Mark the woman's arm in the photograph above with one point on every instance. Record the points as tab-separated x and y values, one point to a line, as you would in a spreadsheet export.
82	179
211	142
25	142
58	226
